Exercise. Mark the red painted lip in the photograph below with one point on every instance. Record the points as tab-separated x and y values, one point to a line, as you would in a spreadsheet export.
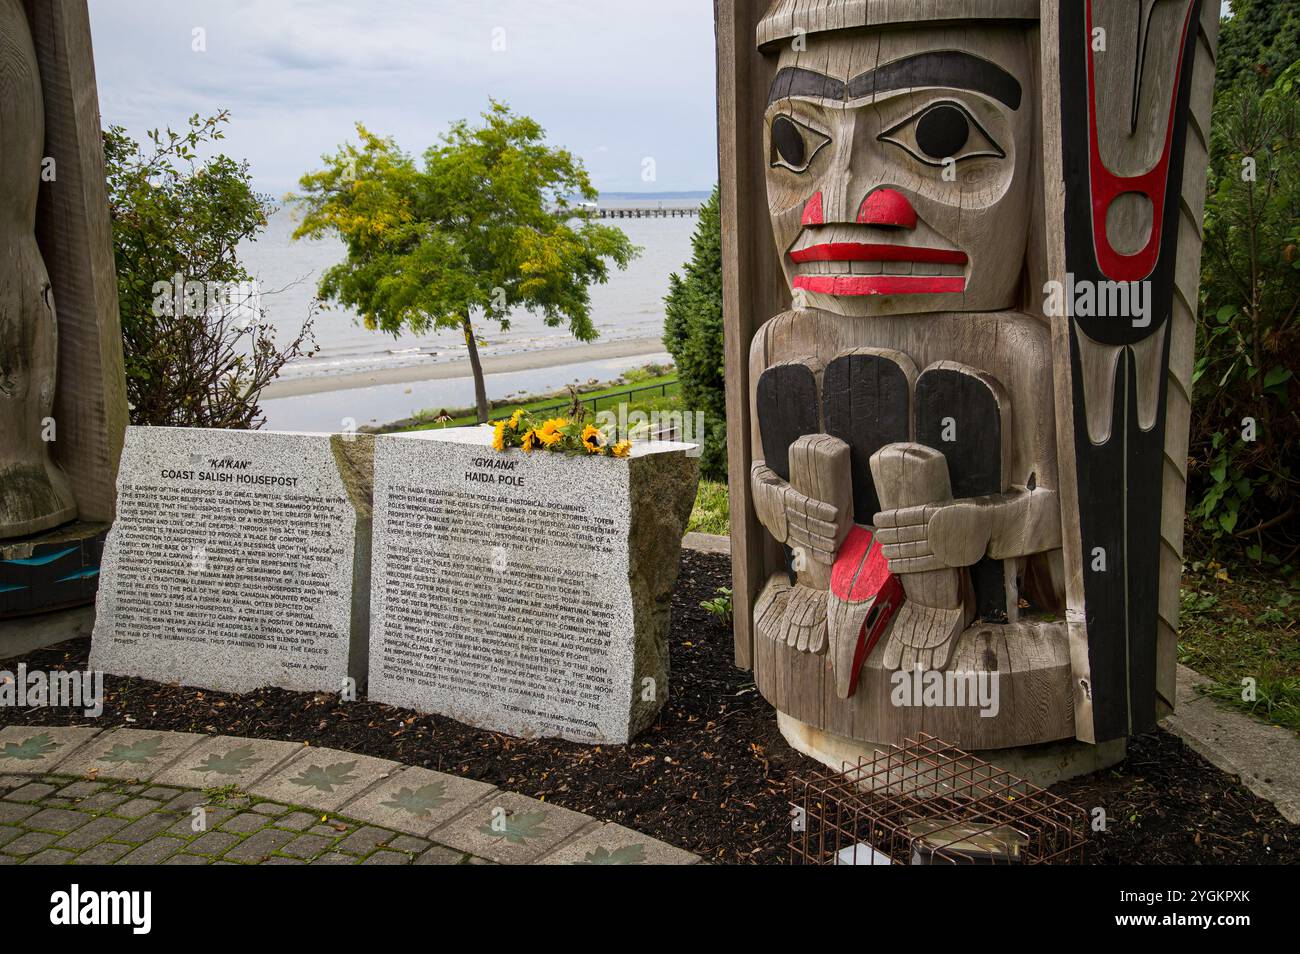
862	252
880	284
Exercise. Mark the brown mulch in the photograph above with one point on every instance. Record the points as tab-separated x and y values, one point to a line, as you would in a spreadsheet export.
1167	805
710	775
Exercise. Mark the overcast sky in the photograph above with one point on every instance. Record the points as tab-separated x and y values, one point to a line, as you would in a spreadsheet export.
616	81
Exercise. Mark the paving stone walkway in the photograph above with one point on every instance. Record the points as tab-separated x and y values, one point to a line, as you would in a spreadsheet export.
133	796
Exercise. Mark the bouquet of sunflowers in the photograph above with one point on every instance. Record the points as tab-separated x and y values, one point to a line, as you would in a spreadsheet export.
567	435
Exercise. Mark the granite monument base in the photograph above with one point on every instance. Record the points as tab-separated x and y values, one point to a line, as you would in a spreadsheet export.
526	593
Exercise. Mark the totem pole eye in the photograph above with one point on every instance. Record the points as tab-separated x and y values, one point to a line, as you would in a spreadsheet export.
794	144
943	131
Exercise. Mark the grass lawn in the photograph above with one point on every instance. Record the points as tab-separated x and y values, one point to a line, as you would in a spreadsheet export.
1244	627
646	401
712	513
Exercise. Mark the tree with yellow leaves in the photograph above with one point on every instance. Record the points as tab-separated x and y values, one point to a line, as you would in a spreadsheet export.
489	222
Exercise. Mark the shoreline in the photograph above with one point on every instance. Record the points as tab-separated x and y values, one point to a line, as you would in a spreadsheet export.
460	368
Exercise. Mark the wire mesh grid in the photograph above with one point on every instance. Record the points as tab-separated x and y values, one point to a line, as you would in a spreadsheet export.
928	802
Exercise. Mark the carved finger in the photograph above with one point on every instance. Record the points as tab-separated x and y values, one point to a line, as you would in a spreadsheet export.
906	551
824	555
798	530
820	510
822	528
812	533
908	516
822	543
903	551
916	565
894	535
817	549
812	509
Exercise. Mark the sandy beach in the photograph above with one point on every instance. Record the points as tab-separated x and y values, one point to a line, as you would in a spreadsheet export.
498	364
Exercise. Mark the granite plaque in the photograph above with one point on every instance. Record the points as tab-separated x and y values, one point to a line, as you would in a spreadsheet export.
525	593
234	560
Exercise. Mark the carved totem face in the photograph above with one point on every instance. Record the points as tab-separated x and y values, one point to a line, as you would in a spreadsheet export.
899	168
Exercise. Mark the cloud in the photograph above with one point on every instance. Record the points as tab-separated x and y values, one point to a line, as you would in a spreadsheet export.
615	83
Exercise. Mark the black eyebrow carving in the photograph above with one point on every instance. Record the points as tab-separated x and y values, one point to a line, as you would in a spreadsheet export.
796	81
951	68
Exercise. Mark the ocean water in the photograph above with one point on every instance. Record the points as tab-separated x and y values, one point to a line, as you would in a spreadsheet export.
628	306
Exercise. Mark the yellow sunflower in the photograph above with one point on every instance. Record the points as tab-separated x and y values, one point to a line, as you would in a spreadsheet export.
549	433
515	418
621	449
530	442
499	436
593	439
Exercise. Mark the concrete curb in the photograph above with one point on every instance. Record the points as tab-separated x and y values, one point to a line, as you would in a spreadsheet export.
1265	757
25	634
708	543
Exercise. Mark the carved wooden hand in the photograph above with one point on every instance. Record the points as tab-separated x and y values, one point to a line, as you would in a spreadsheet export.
799	521
914	478
960	533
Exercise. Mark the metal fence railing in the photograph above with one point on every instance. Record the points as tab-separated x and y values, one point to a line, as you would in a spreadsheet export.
594	403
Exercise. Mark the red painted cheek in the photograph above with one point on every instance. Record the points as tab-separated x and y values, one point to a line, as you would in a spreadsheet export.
887	207
812	210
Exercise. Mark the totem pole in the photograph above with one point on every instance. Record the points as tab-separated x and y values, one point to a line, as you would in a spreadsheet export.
967	435
34	493
62	388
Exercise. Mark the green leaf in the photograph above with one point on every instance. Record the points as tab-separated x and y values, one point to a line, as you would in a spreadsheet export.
1228	520
136	753
627	855
234	762
325	779
480	224
30	749
419	802
517	829
1278	375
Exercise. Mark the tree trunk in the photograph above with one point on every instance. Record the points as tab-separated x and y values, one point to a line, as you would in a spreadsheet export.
480	388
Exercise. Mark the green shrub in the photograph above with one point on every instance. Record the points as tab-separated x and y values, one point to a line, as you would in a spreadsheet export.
693	335
179	220
1242	467
1257	43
